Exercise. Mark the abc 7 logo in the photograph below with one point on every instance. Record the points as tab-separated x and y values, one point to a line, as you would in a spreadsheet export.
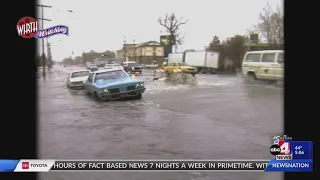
275	149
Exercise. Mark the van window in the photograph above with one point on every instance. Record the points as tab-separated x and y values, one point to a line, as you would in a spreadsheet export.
268	57
280	57
253	58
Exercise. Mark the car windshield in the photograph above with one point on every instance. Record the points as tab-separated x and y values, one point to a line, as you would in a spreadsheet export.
110	75
80	74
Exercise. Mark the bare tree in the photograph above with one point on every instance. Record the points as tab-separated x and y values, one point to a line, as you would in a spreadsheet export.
172	25
179	39
265	25
277	26
271	25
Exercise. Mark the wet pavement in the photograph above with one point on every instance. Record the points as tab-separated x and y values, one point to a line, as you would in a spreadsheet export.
220	118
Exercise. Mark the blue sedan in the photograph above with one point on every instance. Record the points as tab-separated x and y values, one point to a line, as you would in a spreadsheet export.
112	84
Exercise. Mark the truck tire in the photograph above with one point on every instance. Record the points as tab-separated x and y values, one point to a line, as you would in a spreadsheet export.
138	96
251	77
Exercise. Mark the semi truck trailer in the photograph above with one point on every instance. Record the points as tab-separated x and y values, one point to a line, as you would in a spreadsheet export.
205	61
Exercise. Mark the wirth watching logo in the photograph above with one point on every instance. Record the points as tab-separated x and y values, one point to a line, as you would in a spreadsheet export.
27	27
25	165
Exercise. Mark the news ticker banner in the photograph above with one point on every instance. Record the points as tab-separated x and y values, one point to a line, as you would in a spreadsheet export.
31	165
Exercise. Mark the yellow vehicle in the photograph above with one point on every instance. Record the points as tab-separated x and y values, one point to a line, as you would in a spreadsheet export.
263	65
173	67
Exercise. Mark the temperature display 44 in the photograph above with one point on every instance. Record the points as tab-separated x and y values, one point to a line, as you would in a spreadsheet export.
301	149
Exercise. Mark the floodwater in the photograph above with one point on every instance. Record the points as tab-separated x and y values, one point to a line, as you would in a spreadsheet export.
218	117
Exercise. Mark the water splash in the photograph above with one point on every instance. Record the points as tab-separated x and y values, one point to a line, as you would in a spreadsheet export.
181	78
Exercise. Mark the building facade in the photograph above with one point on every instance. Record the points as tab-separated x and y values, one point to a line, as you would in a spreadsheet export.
144	53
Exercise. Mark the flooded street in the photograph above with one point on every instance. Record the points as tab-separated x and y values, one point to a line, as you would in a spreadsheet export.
220	118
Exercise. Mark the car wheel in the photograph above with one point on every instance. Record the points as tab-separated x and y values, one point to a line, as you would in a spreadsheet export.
139	96
95	95
85	91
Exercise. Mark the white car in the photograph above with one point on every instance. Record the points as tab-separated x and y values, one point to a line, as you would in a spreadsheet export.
113	66
76	79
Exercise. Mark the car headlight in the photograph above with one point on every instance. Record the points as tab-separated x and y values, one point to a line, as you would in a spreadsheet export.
132	68
140	85
105	90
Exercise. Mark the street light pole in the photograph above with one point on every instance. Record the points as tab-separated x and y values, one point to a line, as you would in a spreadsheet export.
50	60
42	40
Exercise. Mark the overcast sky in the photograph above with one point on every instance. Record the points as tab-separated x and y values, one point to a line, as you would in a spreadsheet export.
101	25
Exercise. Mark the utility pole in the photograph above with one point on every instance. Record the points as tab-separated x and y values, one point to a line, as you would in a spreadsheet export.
124	49
134	49
42	40
49	55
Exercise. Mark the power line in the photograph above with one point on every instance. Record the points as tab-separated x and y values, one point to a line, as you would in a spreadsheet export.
44	19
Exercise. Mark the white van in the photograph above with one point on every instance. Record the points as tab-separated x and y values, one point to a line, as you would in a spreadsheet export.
264	65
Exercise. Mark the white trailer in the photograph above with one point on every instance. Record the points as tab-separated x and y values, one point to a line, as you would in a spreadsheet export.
205	61
88	63
175	57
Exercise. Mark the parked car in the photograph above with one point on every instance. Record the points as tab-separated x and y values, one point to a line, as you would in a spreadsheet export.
109	84
263	65
92	67
76	78
113	66
132	67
